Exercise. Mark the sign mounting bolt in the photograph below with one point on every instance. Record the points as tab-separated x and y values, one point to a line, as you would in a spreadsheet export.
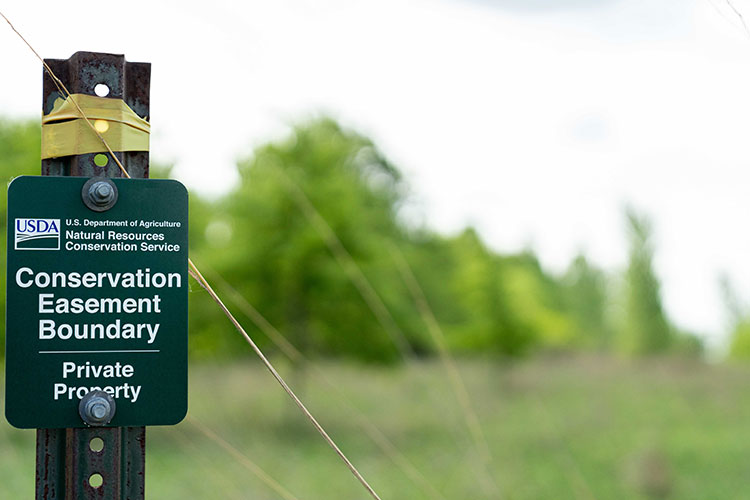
97	408
99	194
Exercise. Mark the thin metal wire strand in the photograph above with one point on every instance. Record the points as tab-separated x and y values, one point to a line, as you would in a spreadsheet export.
202	281
197	275
347	262
449	364
213	480
64	90
578	482
242	459
293	354
451	369
739	15
377	306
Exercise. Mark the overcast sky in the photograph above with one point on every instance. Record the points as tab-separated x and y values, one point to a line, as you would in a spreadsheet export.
537	121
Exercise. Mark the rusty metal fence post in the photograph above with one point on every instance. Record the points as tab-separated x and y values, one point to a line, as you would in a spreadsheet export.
70	463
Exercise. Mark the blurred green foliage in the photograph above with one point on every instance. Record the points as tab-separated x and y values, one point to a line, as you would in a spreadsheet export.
20	151
739	321
267	239
645	327
587	302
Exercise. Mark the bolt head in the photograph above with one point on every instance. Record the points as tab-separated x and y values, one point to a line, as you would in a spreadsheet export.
97	408
101	193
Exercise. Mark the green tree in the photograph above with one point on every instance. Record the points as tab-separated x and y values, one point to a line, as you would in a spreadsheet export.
739	320
488	320
280	262
539	300
739	343
646	329
585	288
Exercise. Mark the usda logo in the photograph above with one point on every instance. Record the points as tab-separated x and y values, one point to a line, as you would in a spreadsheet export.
37	234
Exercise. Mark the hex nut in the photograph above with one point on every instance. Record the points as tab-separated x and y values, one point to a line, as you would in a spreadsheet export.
97	408
99	194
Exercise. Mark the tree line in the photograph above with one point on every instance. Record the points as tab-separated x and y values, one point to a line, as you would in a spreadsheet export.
314	238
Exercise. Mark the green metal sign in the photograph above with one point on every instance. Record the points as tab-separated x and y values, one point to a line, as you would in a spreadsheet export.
96	300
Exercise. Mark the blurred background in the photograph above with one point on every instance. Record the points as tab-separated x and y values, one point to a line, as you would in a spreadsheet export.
499	247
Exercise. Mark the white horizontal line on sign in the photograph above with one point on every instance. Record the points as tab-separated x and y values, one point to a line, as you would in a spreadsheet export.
97	352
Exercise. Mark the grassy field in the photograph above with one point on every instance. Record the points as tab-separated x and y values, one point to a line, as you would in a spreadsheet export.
565	428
